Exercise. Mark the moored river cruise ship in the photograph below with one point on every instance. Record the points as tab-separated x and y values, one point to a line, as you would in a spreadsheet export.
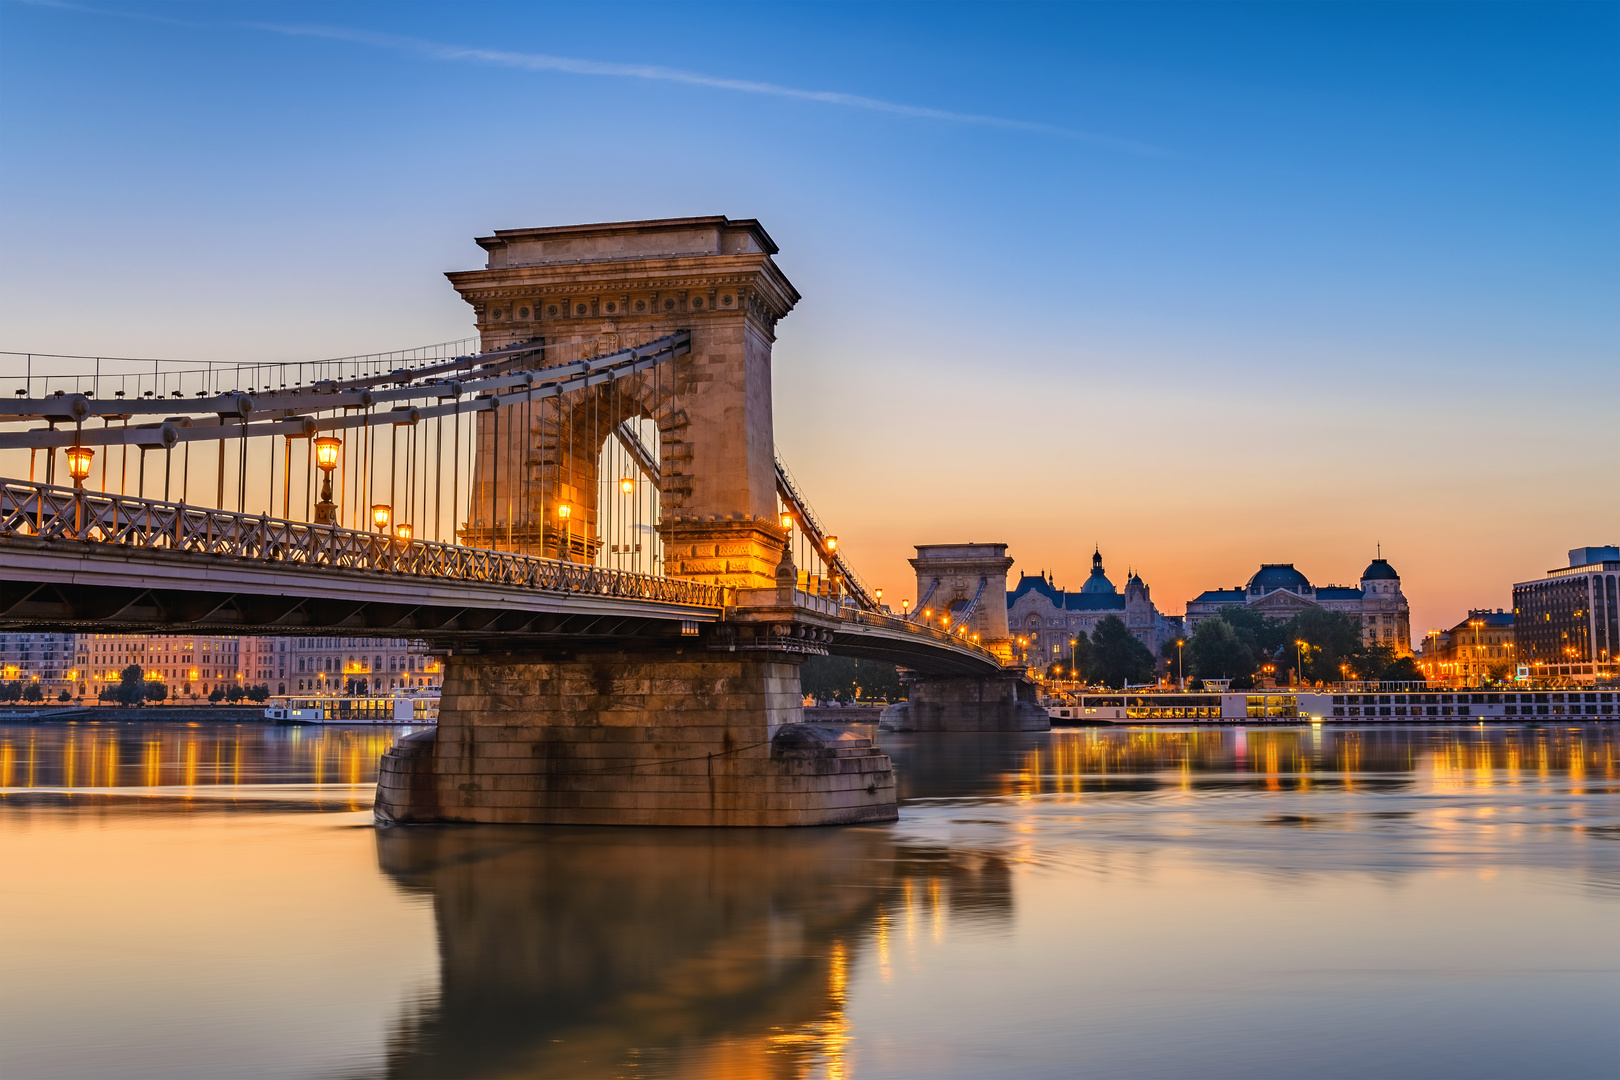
1369	706
381	709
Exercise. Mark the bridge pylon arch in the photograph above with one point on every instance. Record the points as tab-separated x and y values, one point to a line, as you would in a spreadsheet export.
585	290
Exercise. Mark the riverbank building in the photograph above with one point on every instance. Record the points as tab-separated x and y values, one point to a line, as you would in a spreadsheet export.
1048	617
1278	591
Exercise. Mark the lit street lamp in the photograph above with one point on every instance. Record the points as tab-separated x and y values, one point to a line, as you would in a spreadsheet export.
380	513
566	540
326	458
79	458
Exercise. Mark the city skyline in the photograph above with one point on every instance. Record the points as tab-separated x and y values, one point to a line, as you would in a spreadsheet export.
1185	298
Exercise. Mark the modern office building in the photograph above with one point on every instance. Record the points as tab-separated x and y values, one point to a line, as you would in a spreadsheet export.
1567	624
1278	591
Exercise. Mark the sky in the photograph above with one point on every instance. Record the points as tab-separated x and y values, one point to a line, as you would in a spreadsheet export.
1205	286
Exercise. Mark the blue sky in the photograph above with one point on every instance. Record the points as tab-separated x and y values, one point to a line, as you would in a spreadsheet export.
1208	284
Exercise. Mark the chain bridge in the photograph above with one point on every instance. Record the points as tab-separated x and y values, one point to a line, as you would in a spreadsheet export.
582	507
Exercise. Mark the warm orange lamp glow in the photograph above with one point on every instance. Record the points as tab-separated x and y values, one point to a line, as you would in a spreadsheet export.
787	521
79	458
326	452
403	531
564	511
628	486
380	513
832	543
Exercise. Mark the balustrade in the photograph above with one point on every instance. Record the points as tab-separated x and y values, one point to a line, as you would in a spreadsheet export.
47	512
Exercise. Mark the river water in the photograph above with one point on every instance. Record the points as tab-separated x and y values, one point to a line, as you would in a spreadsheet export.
214	901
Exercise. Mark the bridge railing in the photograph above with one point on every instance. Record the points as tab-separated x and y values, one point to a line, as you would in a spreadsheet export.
48	512
896	622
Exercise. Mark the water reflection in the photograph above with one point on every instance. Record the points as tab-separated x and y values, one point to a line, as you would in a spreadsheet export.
681	952
113	755
1097	760
1158	902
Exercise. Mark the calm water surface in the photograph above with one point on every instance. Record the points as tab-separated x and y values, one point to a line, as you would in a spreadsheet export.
212	901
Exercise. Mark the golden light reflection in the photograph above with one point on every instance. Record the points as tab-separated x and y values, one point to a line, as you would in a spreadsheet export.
881	939
1075	762
84	756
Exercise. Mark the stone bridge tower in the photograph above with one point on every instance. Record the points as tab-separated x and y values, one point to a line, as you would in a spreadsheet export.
966	581
952	576
659	730
585	290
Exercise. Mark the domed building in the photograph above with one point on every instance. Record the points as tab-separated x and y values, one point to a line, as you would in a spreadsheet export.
1049	616
1279	591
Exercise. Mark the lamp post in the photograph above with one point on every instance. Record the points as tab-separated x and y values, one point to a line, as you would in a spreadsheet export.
1181	677
565	542
1299	669
905	609
79	458
327	450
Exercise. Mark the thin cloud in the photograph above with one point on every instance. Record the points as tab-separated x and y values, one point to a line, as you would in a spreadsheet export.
574	66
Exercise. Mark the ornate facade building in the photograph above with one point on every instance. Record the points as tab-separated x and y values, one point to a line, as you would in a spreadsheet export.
1469	651
1049	617
1278	591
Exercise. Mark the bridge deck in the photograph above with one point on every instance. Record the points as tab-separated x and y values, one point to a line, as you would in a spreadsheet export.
94	561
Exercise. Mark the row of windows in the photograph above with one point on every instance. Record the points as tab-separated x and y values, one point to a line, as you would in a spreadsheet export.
1466	710
335	663
1541	697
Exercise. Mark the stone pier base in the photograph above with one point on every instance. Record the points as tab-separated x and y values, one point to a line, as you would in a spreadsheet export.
631	739
943	703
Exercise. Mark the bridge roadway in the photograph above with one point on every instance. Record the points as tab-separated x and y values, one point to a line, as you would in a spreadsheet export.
115	564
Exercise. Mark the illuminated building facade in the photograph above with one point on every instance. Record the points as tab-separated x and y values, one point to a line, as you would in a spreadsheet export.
1567	625
187	665
191	667
1478	647
42	660
1278	591
340	665
1047	618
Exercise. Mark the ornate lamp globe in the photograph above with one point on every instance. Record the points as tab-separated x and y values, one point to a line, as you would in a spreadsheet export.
326	452
79	458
